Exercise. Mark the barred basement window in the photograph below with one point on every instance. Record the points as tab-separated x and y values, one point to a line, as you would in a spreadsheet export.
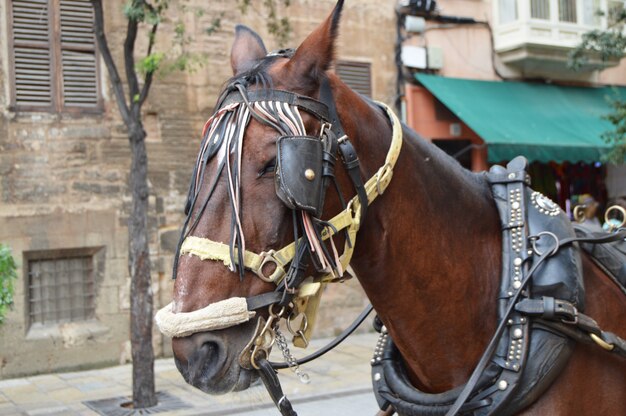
61	286
357	75
54	56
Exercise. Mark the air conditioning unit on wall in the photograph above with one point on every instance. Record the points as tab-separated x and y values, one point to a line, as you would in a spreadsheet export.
418	57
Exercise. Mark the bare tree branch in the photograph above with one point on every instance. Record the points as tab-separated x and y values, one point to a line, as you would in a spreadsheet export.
116	82
129	58
148	81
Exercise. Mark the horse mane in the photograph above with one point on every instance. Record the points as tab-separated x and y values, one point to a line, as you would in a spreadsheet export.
257	75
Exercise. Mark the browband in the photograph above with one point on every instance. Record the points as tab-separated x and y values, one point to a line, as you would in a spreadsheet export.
308	104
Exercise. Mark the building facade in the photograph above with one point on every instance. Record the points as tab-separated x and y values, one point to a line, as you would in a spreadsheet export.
64	163
490	79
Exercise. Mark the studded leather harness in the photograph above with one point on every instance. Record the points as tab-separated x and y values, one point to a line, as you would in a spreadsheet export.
540	315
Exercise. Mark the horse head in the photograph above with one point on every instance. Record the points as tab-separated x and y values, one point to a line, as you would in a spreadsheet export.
258	186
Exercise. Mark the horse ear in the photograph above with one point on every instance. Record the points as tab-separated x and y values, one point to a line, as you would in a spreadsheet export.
247	49
315	55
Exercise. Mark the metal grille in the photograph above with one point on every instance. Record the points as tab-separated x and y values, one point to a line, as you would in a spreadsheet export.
357	75
61	289
540	9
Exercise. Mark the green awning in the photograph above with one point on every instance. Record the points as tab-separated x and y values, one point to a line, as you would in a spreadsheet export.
542	122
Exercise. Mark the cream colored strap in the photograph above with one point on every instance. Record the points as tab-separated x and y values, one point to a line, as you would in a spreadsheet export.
219	315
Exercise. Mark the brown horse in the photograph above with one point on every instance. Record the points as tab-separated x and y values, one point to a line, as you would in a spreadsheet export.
427	254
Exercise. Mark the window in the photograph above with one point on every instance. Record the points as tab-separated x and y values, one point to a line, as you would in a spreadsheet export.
357	75
590	12
54	55
540	9
616	8
508	11
61	286
567	11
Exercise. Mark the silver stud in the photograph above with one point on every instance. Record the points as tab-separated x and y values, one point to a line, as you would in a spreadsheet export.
377	377
309	174
511	176
517	261
517	333
383	329
515	367
517	284
502	385
510	293
523	320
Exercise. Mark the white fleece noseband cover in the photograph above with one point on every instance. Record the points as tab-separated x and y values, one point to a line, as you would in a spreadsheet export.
219	315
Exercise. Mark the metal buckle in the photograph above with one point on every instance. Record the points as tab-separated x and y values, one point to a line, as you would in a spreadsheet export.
268	257
266	339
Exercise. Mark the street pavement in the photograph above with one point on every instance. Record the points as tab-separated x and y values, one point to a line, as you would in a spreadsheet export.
340	385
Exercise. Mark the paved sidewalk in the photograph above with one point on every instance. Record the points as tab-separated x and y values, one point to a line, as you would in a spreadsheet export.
340	385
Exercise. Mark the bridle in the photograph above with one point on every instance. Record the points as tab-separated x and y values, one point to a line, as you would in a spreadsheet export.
304	169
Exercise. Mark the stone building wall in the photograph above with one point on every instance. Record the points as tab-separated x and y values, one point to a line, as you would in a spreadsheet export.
64	178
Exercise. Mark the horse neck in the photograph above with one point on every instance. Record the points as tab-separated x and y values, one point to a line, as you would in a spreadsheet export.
428	253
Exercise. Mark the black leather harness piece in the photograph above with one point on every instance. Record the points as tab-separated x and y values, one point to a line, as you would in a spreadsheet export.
540	306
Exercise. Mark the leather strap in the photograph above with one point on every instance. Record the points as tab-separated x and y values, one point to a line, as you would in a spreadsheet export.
485	359
272	384
346	149
548	308
263	300
338	340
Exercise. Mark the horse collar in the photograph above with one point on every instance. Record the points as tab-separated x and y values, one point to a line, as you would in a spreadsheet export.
539	310
517	365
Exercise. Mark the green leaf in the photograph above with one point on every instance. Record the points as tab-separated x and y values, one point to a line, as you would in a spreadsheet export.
150	64
134	10
7	277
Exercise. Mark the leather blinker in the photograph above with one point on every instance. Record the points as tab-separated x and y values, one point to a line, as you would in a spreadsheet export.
299	175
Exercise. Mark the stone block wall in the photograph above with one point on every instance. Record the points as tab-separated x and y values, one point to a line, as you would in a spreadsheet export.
64	178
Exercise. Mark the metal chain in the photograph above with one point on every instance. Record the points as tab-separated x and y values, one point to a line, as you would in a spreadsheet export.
281	341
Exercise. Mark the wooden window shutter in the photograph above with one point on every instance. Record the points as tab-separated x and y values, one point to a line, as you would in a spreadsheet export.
32	56
357	75
78	54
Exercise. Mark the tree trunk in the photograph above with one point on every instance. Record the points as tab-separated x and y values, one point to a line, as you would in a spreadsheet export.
141	303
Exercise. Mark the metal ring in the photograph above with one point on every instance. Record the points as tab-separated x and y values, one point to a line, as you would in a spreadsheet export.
304	325
619	209
276	315
602	343
579	213
533	239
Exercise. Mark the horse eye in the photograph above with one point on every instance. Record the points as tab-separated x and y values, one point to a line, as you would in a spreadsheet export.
268	168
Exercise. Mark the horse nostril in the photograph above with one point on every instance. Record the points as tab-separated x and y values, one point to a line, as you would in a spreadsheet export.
203	360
